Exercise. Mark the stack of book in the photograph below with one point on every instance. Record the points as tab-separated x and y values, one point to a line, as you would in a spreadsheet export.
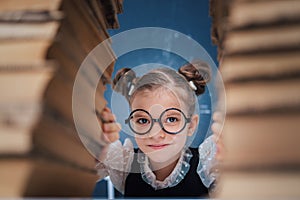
259	60
42	46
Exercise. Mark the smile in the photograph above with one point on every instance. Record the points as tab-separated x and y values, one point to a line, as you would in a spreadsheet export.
158	146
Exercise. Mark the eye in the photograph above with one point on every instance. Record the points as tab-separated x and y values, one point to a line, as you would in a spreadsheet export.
171	119
142	121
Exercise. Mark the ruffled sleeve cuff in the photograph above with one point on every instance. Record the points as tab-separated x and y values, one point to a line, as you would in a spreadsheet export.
117	163
206	169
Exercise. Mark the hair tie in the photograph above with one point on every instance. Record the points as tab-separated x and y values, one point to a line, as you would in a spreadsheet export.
131	88
192	85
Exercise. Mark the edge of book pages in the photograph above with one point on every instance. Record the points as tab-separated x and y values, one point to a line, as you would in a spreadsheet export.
245	14
13	5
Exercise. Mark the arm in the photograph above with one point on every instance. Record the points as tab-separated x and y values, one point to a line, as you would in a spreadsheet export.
110	134
115	159
211	154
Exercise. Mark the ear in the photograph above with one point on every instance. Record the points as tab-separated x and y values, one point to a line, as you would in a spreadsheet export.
193	124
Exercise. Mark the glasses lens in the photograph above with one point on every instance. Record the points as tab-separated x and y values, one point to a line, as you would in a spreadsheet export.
140	122
173	121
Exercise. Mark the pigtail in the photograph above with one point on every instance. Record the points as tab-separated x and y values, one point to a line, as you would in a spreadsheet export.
198	74
124	82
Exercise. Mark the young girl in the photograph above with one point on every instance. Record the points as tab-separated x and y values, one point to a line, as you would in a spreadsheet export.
162	118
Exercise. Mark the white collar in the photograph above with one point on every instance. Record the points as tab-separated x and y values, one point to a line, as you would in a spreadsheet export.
177	175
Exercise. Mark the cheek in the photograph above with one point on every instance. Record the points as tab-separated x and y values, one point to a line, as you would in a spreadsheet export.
180	140
140	141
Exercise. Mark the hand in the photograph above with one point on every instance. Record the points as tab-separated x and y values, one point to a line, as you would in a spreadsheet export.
109	126
217	130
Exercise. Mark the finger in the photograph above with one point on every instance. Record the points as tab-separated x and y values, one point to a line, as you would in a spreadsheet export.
107	117
111	127
111	132
220	151
216	128
111	137
218	116
106	109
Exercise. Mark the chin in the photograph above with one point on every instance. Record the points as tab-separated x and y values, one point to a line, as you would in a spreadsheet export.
164	155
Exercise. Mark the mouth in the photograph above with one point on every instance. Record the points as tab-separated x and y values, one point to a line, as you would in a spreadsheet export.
158	146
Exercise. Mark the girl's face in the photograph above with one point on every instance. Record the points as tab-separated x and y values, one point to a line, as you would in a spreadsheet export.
158	145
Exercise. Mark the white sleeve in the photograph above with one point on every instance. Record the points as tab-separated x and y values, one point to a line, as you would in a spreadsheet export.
117	163
207	166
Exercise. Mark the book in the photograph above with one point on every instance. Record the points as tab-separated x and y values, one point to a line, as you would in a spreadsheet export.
58	96
75	31
15	5
42	46
55	131
262	13
25	36
14	31
101	60
259	95
259	185
97	10
93	15
282	37
23	52
26	84
115	7
260	66
86	25
261	140
15	140
218	10
36	176
22	91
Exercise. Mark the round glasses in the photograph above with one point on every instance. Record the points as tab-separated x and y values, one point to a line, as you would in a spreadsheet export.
172	121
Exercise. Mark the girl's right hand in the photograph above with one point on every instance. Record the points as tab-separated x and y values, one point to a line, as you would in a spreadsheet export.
217	132
109	127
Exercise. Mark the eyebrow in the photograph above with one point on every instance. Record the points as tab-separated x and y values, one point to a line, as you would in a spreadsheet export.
173	113
139	115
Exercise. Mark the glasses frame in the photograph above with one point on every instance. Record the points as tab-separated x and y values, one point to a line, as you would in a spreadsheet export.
153	120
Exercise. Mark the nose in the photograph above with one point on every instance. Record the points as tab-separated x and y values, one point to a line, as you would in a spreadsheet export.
157	132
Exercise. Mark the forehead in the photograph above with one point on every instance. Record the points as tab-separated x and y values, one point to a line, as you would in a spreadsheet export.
156	100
